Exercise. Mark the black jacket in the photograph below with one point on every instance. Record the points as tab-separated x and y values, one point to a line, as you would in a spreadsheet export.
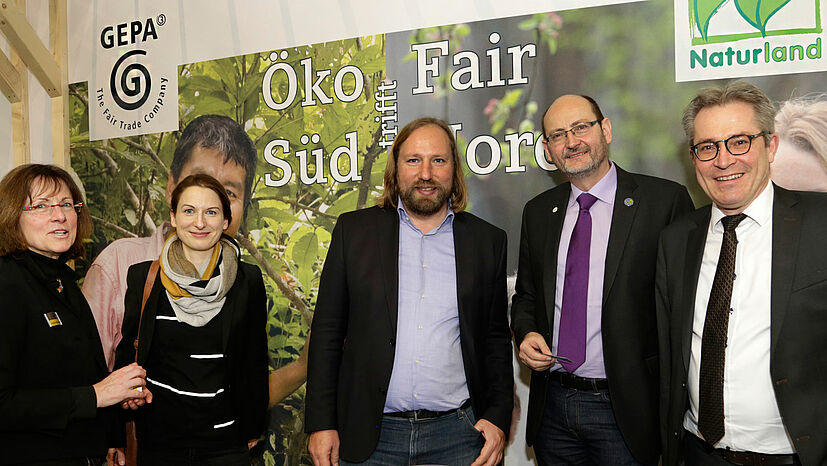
354	328
47	403
244	339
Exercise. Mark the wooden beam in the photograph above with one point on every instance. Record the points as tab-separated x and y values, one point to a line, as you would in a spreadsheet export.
23	38
9	79
61	111
21	137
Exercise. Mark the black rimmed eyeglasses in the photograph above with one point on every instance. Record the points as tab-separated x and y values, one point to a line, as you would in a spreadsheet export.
579	129
739	144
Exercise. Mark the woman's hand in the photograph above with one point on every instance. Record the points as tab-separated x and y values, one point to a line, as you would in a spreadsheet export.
120	385
135	403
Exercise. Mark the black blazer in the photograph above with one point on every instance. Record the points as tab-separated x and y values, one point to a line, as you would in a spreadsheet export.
798	320
630	347
354	326
47	403
244	339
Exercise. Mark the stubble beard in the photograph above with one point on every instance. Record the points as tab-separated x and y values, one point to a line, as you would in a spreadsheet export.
596	157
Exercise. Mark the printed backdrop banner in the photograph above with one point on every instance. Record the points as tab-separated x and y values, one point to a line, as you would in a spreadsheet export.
732	38
134	89
322	116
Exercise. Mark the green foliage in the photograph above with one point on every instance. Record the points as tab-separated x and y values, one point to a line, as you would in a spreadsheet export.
287	229
759	12
704	11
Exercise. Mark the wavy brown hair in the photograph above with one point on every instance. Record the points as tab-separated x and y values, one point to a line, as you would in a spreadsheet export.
16	192
459	191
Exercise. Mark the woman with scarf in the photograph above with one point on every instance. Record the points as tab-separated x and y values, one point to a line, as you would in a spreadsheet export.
201	336
55	389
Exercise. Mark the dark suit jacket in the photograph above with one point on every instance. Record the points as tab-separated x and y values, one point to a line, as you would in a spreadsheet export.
628	325
354	326
244	339
798	320
47	403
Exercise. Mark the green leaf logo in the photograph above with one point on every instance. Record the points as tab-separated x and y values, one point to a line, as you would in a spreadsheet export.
704	10
759	12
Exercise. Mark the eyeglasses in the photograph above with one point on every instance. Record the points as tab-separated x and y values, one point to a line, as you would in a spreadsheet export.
46	209
579	129
739	144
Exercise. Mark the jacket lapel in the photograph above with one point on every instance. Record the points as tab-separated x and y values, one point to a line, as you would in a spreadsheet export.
695	242
388	250
556	214
623	216
786	228
465	260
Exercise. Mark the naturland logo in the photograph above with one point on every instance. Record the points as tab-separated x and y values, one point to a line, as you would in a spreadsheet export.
774	23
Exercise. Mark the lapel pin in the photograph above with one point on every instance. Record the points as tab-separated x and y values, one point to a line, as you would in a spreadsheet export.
629	201
554	210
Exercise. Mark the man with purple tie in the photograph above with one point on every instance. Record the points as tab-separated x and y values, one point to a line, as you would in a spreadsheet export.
583	314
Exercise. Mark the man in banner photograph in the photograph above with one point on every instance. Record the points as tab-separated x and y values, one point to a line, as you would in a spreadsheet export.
584	312
410	333
741	289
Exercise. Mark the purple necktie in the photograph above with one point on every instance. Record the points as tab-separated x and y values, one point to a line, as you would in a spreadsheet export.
572	340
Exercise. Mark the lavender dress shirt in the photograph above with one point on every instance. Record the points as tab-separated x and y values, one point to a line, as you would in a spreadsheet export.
601	213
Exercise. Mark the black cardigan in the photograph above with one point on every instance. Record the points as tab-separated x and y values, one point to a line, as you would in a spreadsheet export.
244	339
47	403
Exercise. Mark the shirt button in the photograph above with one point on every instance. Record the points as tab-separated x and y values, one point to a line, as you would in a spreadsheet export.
422	296
424	266
419	327
416	395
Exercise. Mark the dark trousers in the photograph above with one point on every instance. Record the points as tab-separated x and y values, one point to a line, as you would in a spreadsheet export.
237	456
449	440
579	428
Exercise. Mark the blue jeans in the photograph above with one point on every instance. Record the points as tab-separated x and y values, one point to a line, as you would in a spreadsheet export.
448	440
579	428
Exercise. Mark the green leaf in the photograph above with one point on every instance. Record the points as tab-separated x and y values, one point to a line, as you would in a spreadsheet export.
759	12
305	251
704	11
345	203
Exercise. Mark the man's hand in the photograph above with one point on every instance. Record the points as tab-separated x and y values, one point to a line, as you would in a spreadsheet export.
324	447
492	452
115	457
534	352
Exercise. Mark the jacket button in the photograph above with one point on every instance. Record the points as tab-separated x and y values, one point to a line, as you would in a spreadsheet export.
392	341
676	434
780	381
683	385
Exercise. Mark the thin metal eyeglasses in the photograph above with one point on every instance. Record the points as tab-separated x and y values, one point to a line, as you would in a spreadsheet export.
739	144
46	209
579	129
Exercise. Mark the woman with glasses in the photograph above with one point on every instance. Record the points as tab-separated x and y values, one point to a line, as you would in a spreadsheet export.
201	337
56	394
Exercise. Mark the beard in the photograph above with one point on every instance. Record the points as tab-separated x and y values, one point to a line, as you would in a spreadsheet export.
597	155
424	206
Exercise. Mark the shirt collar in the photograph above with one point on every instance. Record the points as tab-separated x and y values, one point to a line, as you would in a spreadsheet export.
759	210
604	190
404	217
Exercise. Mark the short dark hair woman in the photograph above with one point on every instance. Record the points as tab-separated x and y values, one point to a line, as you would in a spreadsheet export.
202	338
54	384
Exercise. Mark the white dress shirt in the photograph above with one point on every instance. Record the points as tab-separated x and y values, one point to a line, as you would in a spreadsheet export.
752	421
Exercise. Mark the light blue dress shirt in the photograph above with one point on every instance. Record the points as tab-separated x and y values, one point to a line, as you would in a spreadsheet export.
428	371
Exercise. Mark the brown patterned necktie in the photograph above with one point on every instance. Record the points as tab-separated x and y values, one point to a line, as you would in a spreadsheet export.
713	345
